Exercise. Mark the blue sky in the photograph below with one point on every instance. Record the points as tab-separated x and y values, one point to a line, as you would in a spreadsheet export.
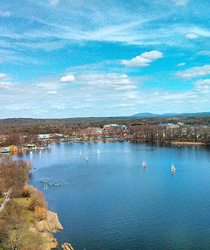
65	58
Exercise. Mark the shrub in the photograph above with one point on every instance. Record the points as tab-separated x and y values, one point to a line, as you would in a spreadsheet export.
40	213
37	199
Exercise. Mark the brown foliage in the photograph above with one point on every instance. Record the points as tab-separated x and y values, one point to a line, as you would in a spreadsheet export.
28	191
15	174
40	213
4	236
13	225
1	187
37	199
14	233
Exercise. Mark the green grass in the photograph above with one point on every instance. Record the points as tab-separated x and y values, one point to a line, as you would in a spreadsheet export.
1	200
22	201
28	214
29	239
29	217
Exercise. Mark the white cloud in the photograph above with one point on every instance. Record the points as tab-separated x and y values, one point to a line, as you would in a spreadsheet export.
42	45
6	85
18	107
194	72
115	81
191	36
67	78
142	32
180	64
128	87
143	60
124	28
124	105
203	86
95	93
51	92
180	2
5	13
153	55
54	2
17	57
59	107
49	85
204	53
200	31
2	76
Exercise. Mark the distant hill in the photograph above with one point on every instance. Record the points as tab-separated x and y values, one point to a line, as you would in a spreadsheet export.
147	115
117	119
34	121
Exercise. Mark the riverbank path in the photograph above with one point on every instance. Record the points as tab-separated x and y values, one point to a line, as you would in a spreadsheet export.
7	198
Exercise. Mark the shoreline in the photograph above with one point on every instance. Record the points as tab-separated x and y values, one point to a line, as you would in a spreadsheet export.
179	143
46	226
137	140
189	143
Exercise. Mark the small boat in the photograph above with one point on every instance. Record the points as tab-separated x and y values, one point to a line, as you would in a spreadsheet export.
43	180
31	152
80	153
45	186
40	152
57	184
86	158
173	169
144	164
98	152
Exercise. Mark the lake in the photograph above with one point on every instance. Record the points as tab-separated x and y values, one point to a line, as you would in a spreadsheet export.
112	203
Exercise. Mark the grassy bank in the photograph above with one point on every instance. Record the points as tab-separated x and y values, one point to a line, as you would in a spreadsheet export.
19	220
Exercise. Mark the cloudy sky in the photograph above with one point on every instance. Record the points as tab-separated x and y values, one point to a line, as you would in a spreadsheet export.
78	58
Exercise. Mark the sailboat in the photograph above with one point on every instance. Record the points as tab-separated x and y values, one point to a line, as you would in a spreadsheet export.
144	164
40	152
173	169
31	152
80	153
86	158
98	152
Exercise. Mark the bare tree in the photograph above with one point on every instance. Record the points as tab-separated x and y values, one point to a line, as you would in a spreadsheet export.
14	225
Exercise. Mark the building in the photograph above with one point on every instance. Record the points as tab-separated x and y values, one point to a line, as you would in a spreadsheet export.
5	150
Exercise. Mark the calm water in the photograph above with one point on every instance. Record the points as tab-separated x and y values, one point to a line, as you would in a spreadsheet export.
112	203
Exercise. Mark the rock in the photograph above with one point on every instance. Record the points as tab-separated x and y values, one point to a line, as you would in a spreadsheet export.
67	246
51	224
43	226
52	219
52	242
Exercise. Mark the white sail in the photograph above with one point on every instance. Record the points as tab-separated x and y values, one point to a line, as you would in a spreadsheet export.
172	167
80	153
98	152
40	152
144	164
31	152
